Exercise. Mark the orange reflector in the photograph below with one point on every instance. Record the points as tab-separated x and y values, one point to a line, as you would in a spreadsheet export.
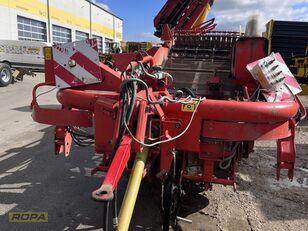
48	53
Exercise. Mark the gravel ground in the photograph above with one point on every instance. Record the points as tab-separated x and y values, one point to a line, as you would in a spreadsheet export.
33	179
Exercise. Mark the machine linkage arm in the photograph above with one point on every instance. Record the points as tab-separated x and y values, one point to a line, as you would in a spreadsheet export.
183	15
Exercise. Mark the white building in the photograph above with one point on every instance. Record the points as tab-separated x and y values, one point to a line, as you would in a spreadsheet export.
59	21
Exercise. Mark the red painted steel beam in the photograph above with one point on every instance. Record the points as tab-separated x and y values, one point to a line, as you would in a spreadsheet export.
245	131
105	124
111	78
180	14
61	117
169	12
63	141
115	171
191	14
83	99
159	54
141	125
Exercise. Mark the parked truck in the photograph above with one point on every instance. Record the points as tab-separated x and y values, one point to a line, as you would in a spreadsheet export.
21	56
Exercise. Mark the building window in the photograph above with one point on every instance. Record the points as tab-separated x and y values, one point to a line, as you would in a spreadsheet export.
30	29
61	34
99	41
81	35
108	45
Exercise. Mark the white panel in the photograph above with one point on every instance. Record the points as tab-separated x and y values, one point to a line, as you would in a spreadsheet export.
5	22
64	53
102	17
79	8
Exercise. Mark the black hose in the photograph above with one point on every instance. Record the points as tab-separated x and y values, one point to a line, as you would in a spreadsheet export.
133	101
188	91
128	95
106	213
81	143
128	104
82	140
115	209
126	112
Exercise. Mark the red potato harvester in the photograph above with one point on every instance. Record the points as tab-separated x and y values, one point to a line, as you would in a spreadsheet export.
177	135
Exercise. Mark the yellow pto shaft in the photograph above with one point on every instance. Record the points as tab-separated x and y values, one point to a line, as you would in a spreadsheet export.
132	190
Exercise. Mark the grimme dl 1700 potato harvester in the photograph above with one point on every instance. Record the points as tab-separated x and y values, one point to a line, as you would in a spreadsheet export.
186	111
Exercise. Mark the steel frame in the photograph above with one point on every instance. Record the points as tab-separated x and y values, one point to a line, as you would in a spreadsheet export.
217	123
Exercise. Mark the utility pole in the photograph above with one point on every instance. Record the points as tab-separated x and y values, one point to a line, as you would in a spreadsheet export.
48	21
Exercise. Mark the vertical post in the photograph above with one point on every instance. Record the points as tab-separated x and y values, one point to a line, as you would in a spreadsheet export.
48	21
90	20
113	29
103	45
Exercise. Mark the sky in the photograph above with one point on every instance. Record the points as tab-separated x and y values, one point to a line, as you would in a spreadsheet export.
230	15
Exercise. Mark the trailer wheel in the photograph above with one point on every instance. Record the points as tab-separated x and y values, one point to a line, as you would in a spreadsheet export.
5	75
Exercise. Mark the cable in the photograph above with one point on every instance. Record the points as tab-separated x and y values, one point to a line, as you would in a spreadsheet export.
155	76
83	132
115	209
188	91
229	158
135	79
289	90
43	93
168	140
170	77
82	140
125	95
106	213
161	100
255	92
145	71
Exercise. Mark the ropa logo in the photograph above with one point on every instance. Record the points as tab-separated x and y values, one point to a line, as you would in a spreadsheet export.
28	217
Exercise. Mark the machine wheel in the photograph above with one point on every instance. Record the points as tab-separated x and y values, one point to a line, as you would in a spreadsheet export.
5	75
171	195
169	205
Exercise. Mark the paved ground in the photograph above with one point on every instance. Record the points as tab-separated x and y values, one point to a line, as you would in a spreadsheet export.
33	179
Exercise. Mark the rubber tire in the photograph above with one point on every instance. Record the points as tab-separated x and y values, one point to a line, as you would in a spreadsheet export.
167	202
4	66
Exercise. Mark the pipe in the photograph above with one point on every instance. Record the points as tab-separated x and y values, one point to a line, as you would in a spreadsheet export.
218	110
83	99
132	190
239	111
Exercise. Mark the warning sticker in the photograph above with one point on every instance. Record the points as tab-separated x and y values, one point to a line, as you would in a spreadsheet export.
191	107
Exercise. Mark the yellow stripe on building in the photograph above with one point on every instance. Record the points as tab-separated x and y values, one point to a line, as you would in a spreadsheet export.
38	8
